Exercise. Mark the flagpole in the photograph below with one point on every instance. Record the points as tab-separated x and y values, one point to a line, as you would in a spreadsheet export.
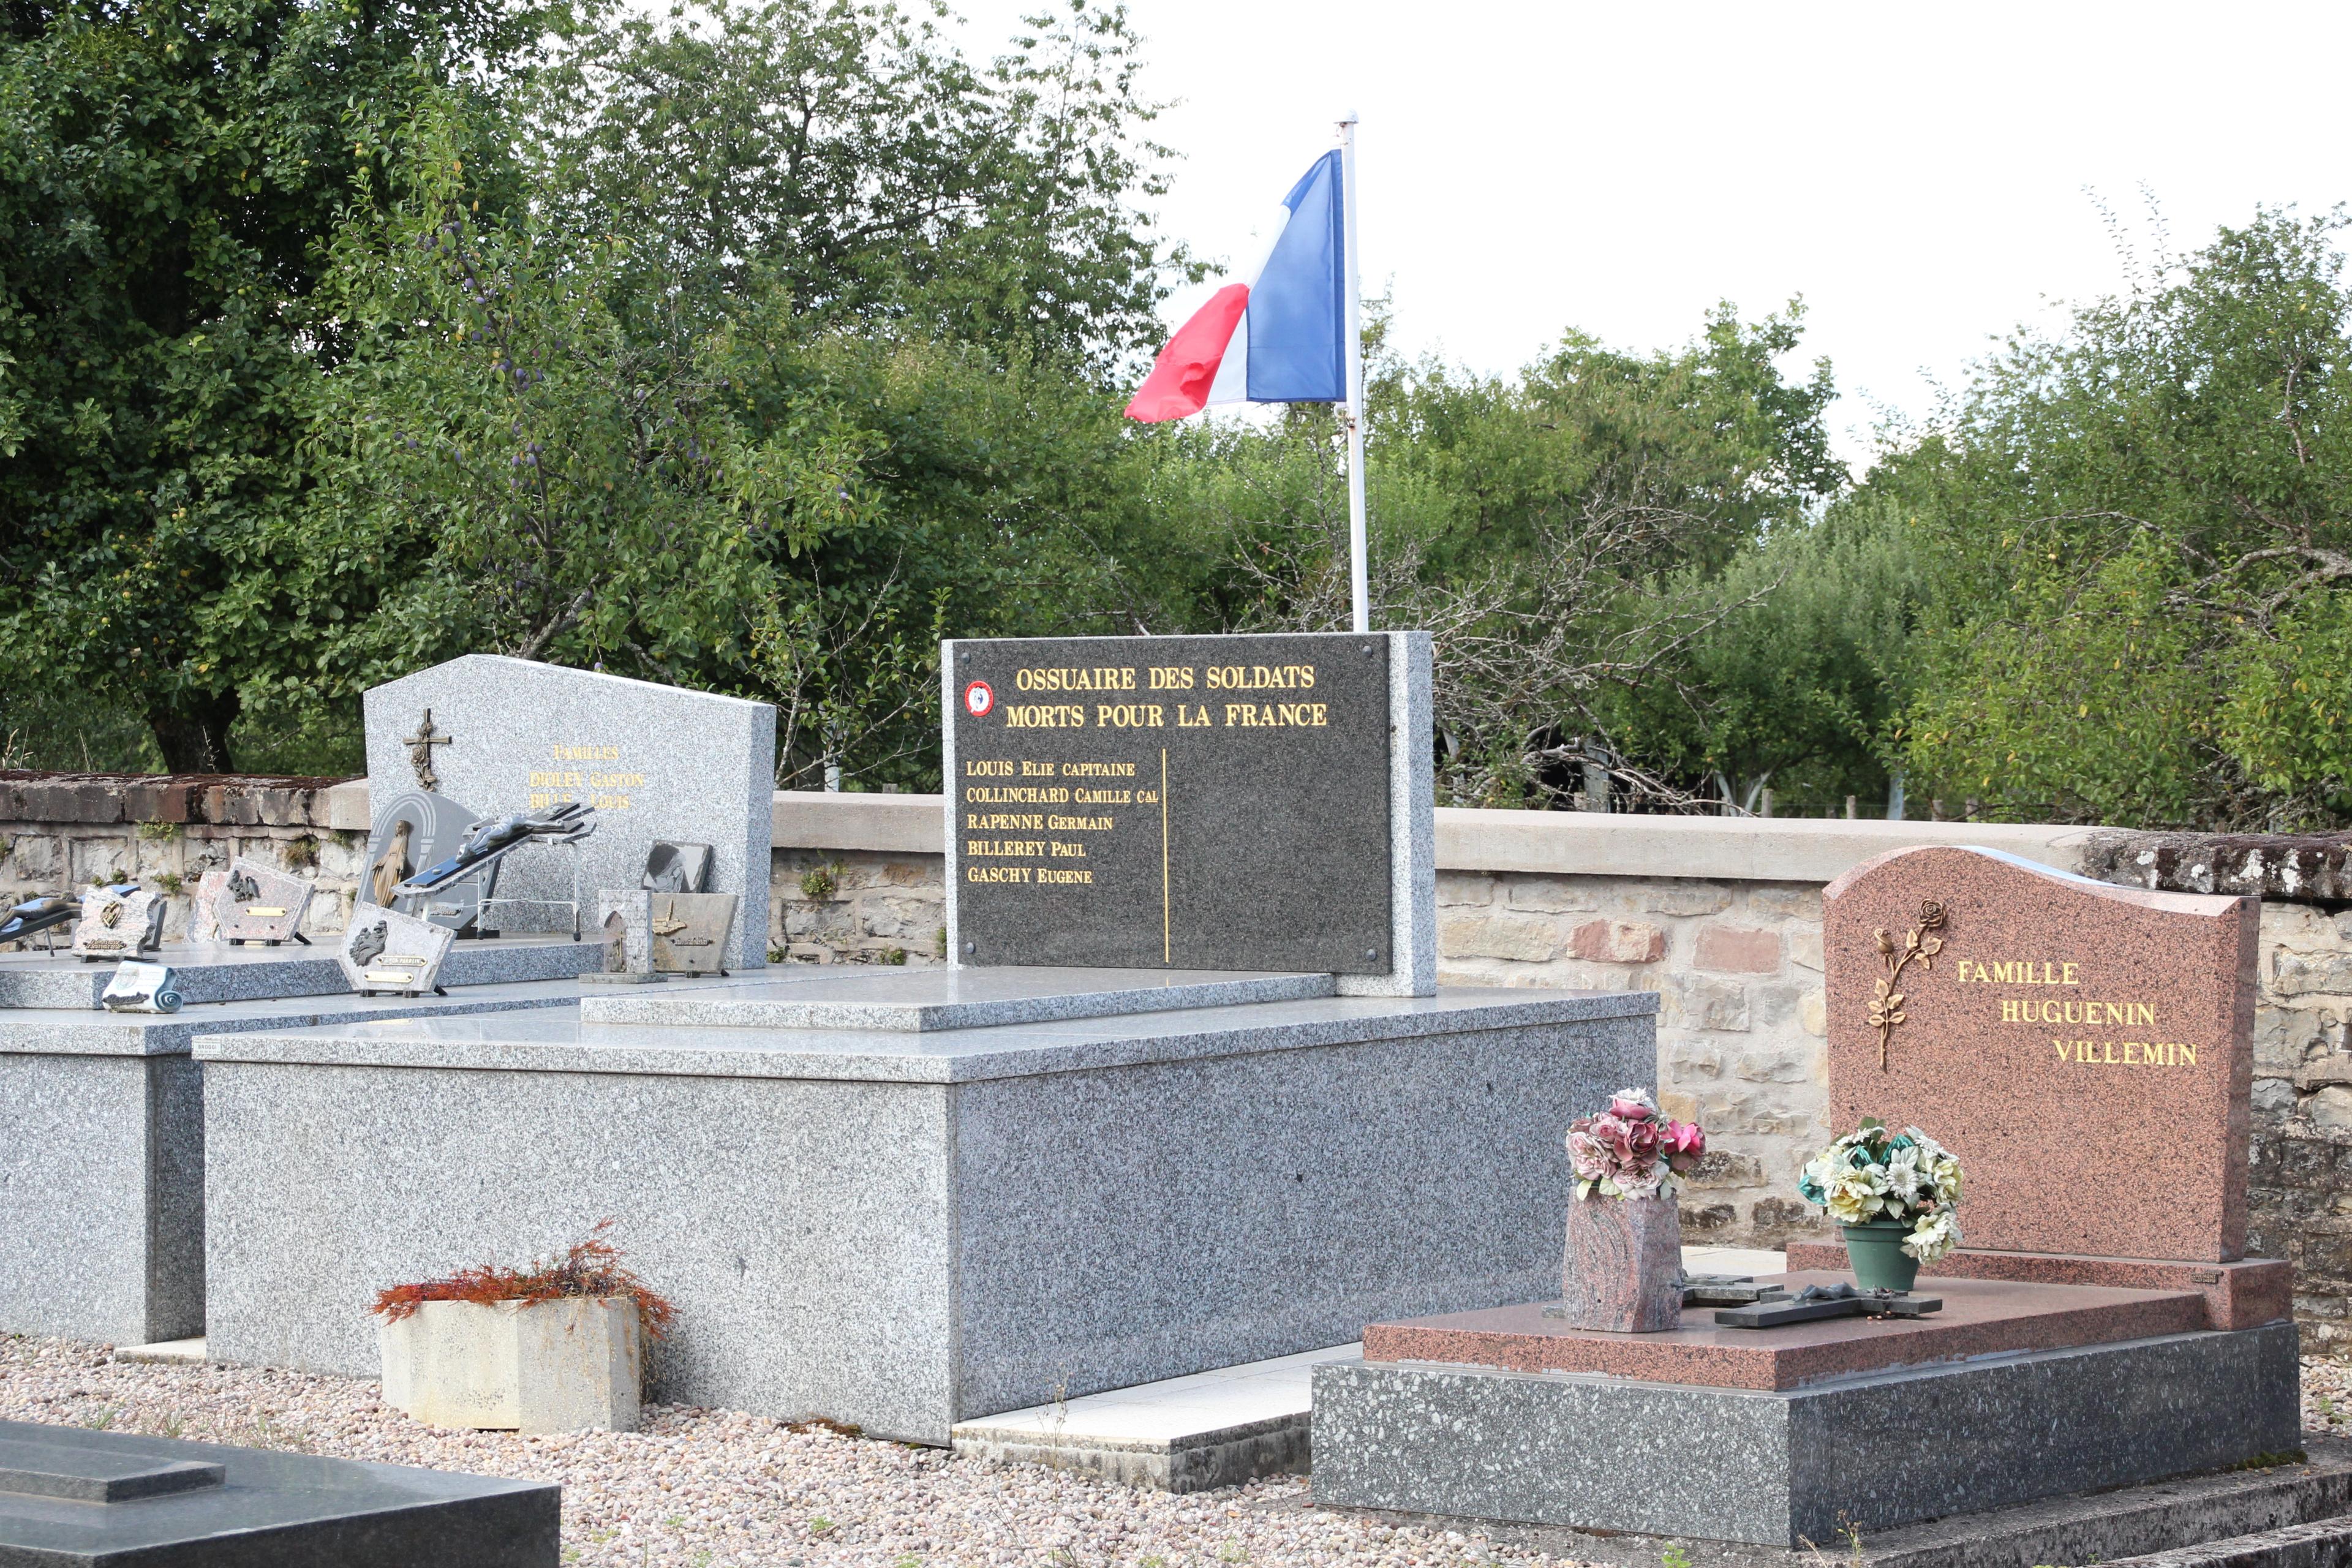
1359	579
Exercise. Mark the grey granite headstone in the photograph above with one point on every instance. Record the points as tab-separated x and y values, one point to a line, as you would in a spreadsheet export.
657	763
1249	803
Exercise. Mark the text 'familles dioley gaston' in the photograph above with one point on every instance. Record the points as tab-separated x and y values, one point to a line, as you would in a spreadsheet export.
1249	697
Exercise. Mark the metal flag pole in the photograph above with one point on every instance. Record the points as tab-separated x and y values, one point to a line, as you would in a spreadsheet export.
1359	579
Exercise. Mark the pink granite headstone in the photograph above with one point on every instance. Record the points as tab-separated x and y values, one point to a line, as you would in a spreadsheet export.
2086	1049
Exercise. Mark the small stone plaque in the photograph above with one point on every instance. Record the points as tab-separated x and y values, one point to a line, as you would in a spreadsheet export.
689	932
386	952
256	902
1179	803
2086	1049
625	920
202	929
119	925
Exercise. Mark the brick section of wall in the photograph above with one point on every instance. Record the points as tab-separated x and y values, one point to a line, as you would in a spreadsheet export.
1741	1022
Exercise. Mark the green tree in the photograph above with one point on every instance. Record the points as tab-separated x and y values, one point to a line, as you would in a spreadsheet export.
2140	533
852	157
170	176
1563	534
706	442
1797	679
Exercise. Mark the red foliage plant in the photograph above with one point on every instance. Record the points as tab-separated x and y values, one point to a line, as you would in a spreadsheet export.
592	1267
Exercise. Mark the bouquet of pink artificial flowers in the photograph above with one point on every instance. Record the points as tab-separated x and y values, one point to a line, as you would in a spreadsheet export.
1630	1150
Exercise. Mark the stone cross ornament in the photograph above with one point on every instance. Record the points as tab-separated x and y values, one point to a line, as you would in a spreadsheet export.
420	752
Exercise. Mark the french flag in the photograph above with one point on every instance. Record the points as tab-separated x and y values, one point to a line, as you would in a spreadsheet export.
1280	333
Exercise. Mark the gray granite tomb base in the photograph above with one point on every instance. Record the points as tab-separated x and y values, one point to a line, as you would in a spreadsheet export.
1785	1469
219	973
102	1152
68	1495
903	1229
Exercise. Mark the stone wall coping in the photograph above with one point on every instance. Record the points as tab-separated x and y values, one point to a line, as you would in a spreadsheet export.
558	1041
1558	843
891	824
1734	848
1554	843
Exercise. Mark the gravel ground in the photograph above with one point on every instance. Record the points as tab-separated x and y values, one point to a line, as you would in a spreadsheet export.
716	1489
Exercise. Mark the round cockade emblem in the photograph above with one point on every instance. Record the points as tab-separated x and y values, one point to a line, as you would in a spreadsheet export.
978	699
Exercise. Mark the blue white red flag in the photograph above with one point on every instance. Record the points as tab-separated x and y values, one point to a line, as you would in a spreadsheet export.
1277	333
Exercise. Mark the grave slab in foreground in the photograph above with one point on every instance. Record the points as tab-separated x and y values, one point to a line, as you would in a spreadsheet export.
71	1496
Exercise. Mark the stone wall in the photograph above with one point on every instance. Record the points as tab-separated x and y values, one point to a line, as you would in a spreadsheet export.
2303	1112
1742	1031
1722	916
62	832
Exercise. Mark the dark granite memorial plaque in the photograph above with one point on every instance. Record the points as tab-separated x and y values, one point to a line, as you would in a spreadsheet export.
1181	803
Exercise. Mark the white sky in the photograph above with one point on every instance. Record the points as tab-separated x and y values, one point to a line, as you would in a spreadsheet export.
1917	172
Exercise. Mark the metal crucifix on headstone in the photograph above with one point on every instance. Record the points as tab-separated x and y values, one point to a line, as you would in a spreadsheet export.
420	752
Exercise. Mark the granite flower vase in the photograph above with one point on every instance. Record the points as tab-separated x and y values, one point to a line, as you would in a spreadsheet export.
1623	1271
1875	1251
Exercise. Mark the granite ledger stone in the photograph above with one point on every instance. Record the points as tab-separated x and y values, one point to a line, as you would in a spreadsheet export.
657	763
903	1229
1198	803
1799	1467
2084	1050
68	1495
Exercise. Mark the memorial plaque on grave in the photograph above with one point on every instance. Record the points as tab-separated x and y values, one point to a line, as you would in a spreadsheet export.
120	920
2086	1049
658	763
385	953
255	902
1185	803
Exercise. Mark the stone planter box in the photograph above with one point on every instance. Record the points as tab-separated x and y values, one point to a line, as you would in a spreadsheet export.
557	1366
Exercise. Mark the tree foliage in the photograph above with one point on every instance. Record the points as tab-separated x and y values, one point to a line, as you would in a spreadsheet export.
2140	534
171	176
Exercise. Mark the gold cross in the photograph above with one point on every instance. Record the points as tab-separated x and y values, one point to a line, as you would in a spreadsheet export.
420	752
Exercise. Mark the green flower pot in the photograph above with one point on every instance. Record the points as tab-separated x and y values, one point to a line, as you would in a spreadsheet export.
1876	1252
